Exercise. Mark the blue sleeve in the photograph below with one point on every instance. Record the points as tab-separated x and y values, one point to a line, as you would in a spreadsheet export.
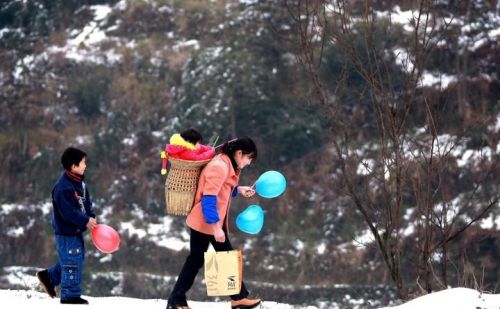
66	200
235	191
209	208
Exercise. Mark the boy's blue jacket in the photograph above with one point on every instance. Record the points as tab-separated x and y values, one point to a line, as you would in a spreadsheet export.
71	206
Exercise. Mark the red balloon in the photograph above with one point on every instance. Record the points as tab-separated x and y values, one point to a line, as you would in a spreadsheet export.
105	238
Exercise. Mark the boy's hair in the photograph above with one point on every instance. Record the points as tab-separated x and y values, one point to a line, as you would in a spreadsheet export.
192	136
245	144
72	156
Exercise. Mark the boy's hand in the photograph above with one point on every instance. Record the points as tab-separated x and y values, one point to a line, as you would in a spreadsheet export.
91	224
246	191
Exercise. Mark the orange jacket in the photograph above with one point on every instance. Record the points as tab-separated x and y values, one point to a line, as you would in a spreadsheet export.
217	178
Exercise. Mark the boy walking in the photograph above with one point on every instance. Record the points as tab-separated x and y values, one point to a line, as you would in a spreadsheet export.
72	214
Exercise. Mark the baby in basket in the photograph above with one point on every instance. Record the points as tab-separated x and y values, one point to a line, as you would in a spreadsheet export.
186	146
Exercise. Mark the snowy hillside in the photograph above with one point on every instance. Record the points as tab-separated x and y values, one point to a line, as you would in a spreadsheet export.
118	77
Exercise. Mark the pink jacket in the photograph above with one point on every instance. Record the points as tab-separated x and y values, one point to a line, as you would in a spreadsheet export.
217	178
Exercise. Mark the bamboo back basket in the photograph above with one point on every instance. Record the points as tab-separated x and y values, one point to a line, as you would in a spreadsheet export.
181	185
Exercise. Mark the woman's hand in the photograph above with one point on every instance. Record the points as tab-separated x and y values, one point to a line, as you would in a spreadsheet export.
246	191
219	234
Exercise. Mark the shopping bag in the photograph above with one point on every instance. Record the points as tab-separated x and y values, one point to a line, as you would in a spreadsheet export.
223	272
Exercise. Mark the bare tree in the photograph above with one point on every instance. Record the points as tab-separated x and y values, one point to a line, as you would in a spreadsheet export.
406	171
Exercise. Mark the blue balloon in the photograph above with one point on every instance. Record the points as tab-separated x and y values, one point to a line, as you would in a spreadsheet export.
251	219
270	184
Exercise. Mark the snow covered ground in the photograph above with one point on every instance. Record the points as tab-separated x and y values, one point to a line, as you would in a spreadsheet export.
457	298
31	299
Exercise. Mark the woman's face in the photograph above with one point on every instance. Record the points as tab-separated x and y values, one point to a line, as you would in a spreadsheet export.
242	160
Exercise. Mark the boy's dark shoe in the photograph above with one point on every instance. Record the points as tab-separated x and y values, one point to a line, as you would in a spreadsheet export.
75	301
43	277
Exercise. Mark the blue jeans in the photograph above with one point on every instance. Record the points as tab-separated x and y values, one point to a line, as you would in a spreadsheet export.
67	272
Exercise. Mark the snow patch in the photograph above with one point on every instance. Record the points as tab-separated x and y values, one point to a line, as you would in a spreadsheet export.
45	207
440	80
83	139
457	298
364	239
403	59
158	233
405	18
491	222
495	128
194	44
84	43
19	276
365	167
321	248
130	141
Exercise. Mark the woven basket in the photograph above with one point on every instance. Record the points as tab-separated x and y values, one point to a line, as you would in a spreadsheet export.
181	185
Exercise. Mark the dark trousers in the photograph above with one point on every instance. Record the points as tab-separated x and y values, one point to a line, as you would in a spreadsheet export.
198	245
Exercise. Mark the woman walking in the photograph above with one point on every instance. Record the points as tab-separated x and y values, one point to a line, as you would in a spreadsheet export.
208	220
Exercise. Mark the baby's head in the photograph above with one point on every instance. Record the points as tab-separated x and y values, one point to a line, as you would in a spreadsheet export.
192	136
